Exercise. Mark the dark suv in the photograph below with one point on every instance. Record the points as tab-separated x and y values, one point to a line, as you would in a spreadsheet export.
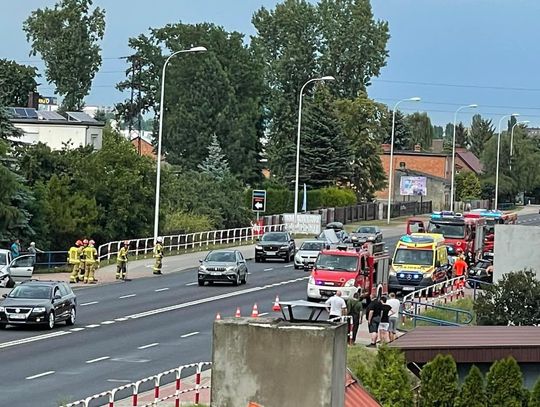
275	245
39	302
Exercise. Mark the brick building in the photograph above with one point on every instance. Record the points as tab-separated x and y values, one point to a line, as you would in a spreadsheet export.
143	147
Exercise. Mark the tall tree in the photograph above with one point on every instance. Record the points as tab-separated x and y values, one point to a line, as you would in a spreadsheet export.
215	164
402	131
438	132
462	136
67	37
421	130
534	400
504	387
473	390
16	81
439	382
467	186
481	131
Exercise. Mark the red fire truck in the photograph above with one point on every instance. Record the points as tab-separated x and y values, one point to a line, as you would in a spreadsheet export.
492	218
464	234
348	269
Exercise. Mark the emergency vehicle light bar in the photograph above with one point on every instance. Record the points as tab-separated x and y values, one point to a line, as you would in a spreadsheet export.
416	239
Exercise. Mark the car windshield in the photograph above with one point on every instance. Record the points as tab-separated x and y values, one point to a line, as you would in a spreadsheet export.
31	291
334	262
3	258
226	257
366	229
447	229
419	257
274	237
312	246
482	264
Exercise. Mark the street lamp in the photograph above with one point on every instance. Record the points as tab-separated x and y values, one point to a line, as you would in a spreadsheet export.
512	136
473	106
160	134
498	158
390	173
324	78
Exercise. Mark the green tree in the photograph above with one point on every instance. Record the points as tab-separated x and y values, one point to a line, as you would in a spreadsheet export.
67	38
16	81
462	136
473	390
388	380
421	130
467	186
215	164
438	132
504	384
439	382
482	130
402	131
535	395
518	294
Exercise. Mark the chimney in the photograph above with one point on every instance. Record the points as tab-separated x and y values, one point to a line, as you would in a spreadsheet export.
417	148
33	99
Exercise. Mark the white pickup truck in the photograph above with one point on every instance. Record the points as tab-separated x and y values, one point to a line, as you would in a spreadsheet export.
12	270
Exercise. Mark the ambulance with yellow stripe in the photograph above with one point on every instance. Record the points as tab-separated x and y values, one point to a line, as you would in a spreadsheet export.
420	260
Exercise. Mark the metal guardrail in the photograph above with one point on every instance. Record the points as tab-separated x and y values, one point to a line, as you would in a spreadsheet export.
51	259
188	241
444	286
416	316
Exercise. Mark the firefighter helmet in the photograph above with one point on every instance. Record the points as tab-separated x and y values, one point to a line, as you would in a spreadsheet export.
78	243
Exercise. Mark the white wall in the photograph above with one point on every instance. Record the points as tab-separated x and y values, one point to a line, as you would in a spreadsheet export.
516	247
54	135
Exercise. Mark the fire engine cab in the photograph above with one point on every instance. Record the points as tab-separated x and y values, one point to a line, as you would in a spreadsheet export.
348	269
461	233
492	218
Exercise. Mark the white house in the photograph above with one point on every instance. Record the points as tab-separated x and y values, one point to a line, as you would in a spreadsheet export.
55	130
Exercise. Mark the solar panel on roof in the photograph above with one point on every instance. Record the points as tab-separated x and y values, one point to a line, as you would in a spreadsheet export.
46	115
81	117
19	111
31	113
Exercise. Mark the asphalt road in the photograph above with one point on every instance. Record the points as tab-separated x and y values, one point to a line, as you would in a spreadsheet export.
132	330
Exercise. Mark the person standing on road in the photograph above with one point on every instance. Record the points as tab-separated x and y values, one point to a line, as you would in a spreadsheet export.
16	249
394	316
121	261
373	315
158	255
74	259
386	311
354	309
82	258
460	266
90	259
336	306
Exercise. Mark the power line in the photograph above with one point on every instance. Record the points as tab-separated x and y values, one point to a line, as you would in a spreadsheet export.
462	104
456	85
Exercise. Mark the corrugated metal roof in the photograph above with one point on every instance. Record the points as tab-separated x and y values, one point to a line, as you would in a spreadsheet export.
356	395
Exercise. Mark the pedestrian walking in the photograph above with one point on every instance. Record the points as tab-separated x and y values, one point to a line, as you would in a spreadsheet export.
373	315
354	309
384	325
121	261
158	255
336	306
90	260
394	316
74	259
16	249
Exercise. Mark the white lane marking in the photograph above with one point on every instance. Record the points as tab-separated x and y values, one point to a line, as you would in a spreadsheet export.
189	334
88	303
204	300
192	283
262	314
76	329
150	345
119	380
108	322
127	296
268	269
127	360
98	359
92	326
40	375
161	289
121	319
288	265
33	339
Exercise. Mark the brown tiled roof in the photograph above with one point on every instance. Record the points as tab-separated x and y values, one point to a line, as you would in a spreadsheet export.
470	159
356	395
471	344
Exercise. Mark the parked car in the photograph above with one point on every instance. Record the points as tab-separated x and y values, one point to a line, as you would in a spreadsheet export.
481	271
18	269
308	252
340	231
275	245
366	234
39	302
223	266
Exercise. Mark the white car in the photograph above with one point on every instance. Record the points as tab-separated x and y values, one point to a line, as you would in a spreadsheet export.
308	253
18	269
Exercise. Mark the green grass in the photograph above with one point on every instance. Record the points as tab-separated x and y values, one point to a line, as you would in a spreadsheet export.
393	222
465	304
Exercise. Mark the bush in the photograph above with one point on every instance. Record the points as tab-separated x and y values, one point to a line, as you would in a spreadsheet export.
182	222
504	386
332	197
473	391
535	395
439	382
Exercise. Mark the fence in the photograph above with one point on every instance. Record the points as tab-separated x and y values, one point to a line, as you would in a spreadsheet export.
51	260
155	382
469	205
399	209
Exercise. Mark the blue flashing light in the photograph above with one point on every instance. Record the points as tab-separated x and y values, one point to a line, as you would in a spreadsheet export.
416	239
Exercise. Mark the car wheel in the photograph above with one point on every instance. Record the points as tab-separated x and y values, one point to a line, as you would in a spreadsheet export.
10	283
296	267
2	326
51	320
244	279
72	317
201	283
237	279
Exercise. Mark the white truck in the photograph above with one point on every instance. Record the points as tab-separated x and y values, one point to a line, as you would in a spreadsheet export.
18	269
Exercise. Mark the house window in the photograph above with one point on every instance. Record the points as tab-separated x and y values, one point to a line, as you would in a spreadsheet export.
402	165
93	140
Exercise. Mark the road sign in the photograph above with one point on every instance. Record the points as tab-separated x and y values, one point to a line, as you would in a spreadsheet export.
258	200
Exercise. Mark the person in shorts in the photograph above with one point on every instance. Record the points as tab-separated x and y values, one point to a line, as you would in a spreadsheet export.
384	325
394	315
373	316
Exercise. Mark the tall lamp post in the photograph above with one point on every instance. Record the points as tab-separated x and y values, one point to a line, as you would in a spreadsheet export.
160	134
473	106
323	78
391	172
512	139
498	158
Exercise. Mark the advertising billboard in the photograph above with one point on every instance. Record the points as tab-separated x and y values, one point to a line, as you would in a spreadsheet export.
413	186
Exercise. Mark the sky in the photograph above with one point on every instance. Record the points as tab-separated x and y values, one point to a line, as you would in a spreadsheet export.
448	52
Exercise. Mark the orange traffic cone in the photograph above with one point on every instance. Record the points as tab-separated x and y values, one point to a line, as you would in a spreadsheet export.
255	311
276	306
218	316
237	315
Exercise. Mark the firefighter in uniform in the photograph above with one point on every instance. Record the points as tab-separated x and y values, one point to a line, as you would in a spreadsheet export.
74	260
121	261
90	259
158	255
82	264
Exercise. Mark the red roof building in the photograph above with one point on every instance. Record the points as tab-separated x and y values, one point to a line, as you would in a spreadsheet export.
356	395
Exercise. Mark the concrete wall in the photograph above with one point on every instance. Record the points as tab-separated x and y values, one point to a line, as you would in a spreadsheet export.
278	364
54	135
516	248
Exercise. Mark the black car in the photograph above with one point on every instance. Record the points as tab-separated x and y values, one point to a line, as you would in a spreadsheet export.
275	245
39	302
481	271
366	234
223	266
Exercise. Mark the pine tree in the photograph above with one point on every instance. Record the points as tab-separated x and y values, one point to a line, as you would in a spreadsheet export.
215	163
481	131
504	386
534	400
473	391
439	382
402	132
